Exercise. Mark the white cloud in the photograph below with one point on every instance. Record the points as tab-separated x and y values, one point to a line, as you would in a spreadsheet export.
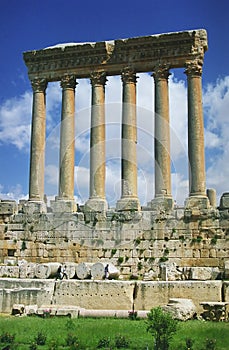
14	193
15	117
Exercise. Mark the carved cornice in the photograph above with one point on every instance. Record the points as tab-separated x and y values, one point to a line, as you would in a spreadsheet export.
161	72
98	78
142	52
68	82
193	68
39	85
128	75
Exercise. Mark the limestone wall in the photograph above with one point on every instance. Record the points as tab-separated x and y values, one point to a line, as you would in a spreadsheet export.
106	295
138	243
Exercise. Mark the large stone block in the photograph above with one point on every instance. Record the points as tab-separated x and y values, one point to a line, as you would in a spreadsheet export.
102	295
152	294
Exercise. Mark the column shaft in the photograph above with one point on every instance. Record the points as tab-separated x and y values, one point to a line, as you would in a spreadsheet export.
162	134
195	131
129	199
67	139
37	152
97	141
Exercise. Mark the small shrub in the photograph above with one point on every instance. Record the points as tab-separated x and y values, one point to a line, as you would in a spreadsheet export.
113	251
189	343
166	251
181	238
40	339
133	315
33	346
120	260
70	325
214	240
121	342
210	344
23	245
53	345
137	240
139	265
162	326
163	259
103	343
71	339
7	338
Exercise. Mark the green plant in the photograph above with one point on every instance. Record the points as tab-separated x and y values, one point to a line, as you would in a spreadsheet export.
210	344
23	245
152	259
181	238
214	240
133	315
113	251
71	339
163	259
103	343
126	258
53	345
40	338
70	325
189	343
162	326
7	338
120	260
121	342
139	265
33	346
166	251
137	240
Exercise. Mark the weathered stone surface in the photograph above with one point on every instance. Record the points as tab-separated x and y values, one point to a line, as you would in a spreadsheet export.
19	291
95	294
226	269
9	271
224	200
83	270
204	273
158	293
98	271
46	270
181	309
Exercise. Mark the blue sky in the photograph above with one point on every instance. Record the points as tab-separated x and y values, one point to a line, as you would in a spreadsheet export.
34	24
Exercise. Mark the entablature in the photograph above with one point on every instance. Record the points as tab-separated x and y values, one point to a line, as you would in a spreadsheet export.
142	54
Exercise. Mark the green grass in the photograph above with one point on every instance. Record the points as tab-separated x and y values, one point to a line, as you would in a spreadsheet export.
89	331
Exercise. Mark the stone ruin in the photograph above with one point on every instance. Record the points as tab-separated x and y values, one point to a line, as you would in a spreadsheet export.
156	244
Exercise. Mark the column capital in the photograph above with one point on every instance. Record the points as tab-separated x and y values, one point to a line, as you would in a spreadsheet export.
161	72
68	82
193	68
129	75
39	85
98	78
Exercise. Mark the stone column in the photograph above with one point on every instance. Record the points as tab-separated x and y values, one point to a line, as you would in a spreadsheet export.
162	139
129	199
37	152
67	139
197	186
97	201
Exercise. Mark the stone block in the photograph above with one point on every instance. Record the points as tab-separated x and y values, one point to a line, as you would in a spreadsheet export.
204	273
8	207
226	291
226	269
224	201
113	295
